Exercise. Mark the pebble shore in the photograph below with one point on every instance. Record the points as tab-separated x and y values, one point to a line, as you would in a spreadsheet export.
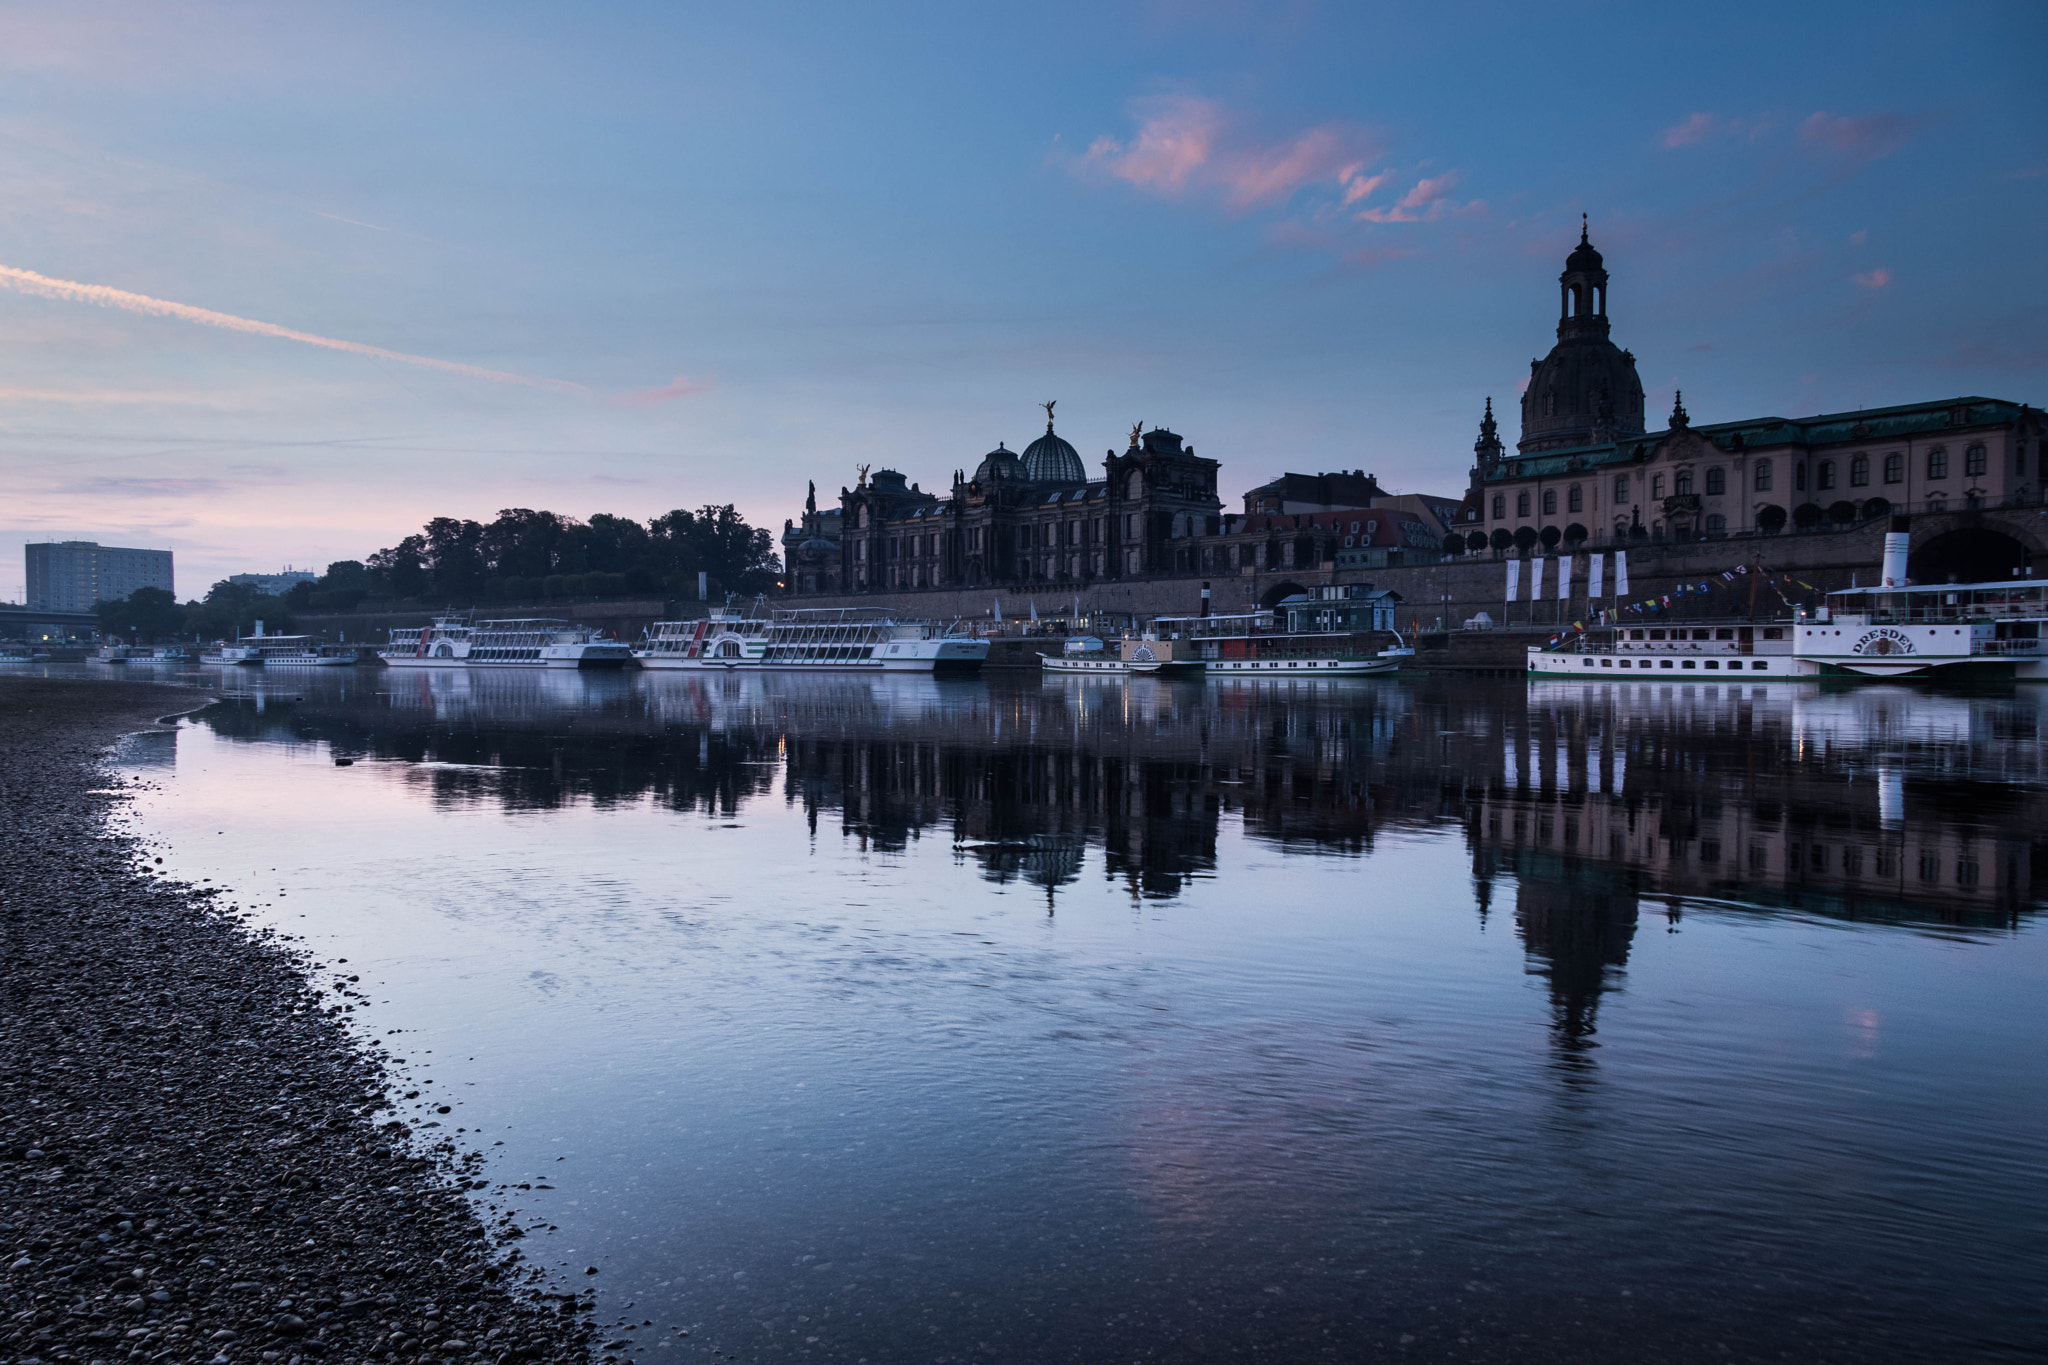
197	1162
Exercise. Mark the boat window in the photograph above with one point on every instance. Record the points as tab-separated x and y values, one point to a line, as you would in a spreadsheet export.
1725	633
1774	632
1635	635
1656	635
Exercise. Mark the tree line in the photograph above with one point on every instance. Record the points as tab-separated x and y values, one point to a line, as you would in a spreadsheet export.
520	556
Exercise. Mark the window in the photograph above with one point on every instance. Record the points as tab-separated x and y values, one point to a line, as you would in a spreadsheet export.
2019	459
1895	468
1575	499
1717	525
1550	502
1717	482
1799	476
1681	482
1930	867
1937	463
1824	474
1763	476
1521	504
1859	471
1500	507
1620	489
1974	462
1656	487
1354	528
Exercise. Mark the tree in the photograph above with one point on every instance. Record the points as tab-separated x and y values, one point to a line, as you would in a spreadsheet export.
1770	518
1525	538
1550	535
1476	541
400	571
1575	534
231	610
1806	515
1842	513
454	558
1454	543
1502	538
145	614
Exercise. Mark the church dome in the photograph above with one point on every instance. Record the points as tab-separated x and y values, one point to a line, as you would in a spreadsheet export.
1049	459
997	464
1586	391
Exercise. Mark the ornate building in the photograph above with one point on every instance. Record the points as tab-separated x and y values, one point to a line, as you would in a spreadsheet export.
1585	469
1028	519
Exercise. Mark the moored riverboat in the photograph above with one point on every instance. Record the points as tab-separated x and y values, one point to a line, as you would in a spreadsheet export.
542	643
822	638
1276	642
444	644
719	640
1943	630
1144	655
1696	648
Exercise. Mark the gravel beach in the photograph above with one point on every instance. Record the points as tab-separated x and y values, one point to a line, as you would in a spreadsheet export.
197	1163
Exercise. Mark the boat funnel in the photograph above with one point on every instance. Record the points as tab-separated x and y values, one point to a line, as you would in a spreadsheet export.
259	630
1896	542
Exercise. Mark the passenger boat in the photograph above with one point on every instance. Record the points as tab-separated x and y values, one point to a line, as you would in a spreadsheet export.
719	640
297	651
821	638
1986	630
444	644
1695	648
1143	655
542	643
172	654
1256	644
111	653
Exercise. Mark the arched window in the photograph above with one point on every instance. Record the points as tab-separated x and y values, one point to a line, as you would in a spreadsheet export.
1500	506
1717	482
1656	488
1859	470
1974	462
1550	502
1620	489
1763	476
1824	474
1681	482
1895	467
1521	504
1937	463
1717	525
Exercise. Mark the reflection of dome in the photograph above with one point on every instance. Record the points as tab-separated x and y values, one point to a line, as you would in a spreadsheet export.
997	464
1051	460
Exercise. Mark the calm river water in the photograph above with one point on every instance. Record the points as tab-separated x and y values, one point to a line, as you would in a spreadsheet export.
898	1020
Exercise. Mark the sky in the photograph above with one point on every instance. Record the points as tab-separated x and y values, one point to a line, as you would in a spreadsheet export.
280	282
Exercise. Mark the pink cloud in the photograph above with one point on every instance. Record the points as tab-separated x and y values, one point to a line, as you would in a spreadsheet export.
1428	199
1876	279
1696	129
1865	138
679	387
1186	144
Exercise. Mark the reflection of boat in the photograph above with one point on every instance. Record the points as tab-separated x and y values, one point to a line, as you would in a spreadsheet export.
444	644
718	640
542	643
1694	650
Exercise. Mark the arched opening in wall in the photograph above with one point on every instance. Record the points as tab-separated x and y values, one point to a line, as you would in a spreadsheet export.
1971	555
1280	592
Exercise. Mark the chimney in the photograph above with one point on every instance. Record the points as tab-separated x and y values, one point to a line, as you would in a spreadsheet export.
1897	540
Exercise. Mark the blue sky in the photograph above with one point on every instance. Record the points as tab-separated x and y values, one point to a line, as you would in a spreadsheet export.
710	252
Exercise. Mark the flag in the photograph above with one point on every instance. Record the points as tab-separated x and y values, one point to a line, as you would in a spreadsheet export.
1514	579
1621	572
1727	577
1034	611
1594	573
1536	578
995	608
1564	579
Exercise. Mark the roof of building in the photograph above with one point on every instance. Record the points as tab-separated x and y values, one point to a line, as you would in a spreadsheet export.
1049	459
1876	425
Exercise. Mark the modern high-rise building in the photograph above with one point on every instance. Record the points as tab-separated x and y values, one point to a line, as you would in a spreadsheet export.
74	575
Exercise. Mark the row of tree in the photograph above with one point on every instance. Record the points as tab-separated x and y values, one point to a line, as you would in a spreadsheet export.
523	555
229	611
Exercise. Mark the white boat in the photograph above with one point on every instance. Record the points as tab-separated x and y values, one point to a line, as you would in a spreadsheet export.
1146	655
542	643
296	651
1986	630
719	641
1255	644
444	644
113	654
824	638
1691	650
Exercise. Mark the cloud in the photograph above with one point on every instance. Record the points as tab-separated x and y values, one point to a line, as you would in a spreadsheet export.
1875	279
1865	139
1428	199
2028	173
143	488
1185	144
42	286
1696	129
99	398
1859	237
680	387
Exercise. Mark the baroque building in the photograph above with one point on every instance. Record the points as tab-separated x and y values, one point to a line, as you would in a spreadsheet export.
1585	470
1034	518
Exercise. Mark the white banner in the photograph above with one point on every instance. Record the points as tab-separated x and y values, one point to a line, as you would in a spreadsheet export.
1621	573
1564	579
1594	574
1536	579
1514	579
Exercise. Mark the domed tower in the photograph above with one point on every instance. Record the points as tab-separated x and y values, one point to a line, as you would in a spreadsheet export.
1050	459
1585	392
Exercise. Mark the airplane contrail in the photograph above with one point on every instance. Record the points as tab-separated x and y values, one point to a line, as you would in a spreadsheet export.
29	282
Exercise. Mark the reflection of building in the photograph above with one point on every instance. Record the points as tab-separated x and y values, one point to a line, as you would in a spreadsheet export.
73	575
1585	467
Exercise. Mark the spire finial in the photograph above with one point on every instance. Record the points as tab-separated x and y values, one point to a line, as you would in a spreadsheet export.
1582	231
1678	414
1047	405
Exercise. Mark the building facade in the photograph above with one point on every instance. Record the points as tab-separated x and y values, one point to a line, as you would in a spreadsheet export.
1586	470
74	575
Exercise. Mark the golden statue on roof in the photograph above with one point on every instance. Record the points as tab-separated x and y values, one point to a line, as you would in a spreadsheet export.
1047	405
1137	430
862	482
